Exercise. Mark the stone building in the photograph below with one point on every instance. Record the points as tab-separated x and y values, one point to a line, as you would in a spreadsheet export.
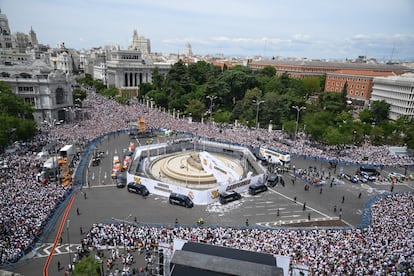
398	91
47	89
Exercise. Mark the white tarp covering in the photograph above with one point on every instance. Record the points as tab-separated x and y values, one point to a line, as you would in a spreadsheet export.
221	172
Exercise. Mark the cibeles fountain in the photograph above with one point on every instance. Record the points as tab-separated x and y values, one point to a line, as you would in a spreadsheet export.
194	167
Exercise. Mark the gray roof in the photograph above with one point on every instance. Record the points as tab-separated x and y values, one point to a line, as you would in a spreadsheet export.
339	65
189	263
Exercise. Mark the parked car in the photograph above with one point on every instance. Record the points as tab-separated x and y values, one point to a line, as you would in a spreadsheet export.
354	178
272	179
368	176
369	169
182	200
229	196
137	188
257	188
398	176
121	181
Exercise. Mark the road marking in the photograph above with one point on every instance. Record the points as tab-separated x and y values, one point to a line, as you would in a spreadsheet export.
291	216
307	207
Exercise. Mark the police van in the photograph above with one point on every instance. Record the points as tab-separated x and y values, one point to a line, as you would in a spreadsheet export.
182	200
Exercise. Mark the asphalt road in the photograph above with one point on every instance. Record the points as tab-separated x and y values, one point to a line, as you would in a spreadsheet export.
105	202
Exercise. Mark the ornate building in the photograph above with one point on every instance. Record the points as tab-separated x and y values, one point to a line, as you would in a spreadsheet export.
125	69
36	74
48	90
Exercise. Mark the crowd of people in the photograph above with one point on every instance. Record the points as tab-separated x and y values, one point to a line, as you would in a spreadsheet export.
25	210
384	248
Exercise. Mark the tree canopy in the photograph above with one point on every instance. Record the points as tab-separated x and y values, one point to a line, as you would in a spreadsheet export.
16	117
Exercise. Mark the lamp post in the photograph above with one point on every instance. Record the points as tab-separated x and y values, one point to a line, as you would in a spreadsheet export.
257	111
67	233
212	98
298	109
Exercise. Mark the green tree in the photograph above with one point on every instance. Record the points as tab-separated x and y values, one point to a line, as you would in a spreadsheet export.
78	95
332	136
145	87
273	85
377	135
317	123
268	71
157	79
289	126
312	85
196	108
99	85
86	81
110	92
237	111
87	266
365	116
380	111
322	82
16	117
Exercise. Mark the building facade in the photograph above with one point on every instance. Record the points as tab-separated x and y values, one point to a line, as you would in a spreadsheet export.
358	82
140	43
398	91
127	69
48	90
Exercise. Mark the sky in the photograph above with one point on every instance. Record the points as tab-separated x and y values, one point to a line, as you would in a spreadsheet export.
315	29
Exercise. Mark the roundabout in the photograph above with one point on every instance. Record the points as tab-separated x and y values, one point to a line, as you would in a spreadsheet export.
187	169
200	170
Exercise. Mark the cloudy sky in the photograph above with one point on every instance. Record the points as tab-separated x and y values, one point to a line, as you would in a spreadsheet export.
329	29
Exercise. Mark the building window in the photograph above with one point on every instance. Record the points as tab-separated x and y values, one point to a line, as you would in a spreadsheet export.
29	101
356	93
60	97
351	93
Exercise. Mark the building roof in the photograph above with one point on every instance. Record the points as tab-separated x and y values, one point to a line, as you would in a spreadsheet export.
204	259
363	73
339	65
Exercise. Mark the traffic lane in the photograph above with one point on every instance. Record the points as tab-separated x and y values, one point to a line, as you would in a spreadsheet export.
114	145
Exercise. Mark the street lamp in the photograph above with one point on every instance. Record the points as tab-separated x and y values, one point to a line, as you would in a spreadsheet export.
212	98
257	111
298	109
67	233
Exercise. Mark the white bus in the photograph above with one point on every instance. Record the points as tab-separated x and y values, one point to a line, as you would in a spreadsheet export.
274	157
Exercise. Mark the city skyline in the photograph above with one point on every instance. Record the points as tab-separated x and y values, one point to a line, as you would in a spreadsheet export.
379	29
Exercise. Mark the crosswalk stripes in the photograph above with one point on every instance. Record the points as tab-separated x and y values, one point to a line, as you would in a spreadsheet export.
43	250
278	223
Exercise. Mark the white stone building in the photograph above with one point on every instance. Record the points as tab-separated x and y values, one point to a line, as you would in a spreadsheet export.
398	91
140	43
47	89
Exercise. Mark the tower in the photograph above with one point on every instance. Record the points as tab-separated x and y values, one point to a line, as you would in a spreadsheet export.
5	34
188	51
33	37
140	43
